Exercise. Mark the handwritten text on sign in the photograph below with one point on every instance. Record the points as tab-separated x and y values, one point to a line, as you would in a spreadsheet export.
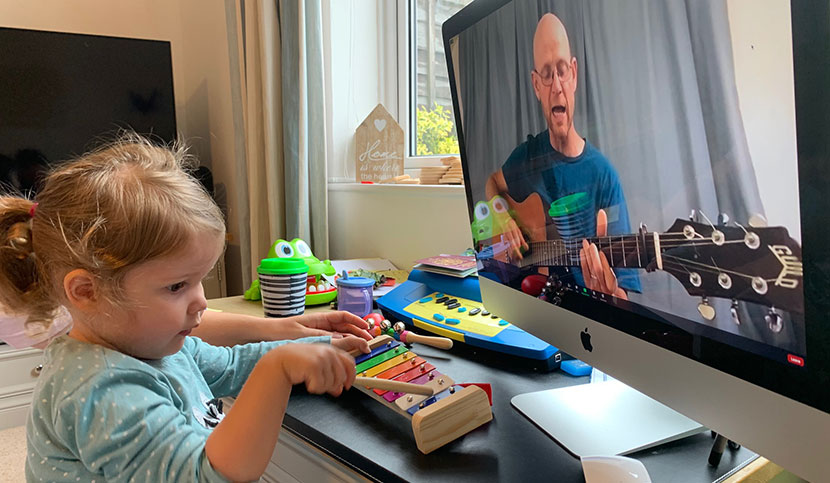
379	147
379	162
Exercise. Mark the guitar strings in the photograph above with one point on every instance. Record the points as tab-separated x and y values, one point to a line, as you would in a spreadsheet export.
710	268
670	261
569	250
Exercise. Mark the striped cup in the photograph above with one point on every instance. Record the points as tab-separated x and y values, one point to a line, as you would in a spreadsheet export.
282	283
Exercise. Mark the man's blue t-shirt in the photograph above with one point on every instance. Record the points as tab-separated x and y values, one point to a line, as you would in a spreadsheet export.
535	167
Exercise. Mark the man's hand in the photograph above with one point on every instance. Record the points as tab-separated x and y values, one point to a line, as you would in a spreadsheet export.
515	239
596	270
338	321
496	185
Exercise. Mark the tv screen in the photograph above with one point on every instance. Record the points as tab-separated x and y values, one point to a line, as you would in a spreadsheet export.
61	94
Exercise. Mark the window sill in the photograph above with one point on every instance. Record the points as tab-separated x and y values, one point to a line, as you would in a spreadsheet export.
425	189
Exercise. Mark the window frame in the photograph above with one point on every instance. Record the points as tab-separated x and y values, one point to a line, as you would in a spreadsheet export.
403	12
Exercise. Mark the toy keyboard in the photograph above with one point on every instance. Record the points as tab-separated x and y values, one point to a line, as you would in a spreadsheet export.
451	307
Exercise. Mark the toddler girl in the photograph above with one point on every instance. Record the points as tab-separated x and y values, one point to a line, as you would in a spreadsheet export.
122	238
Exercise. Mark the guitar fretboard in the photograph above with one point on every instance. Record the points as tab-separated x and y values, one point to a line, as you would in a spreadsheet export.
621	251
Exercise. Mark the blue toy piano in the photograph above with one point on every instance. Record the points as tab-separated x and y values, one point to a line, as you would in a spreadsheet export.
451	307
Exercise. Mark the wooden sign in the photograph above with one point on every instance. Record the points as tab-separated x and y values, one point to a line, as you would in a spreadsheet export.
378	147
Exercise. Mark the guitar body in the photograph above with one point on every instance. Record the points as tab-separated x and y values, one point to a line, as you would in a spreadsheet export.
530	216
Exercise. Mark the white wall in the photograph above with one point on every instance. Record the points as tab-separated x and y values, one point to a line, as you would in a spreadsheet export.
762	47
353	82
198	37
401	223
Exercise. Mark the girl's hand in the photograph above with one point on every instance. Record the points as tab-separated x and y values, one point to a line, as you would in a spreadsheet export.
335	321
349	343
323	368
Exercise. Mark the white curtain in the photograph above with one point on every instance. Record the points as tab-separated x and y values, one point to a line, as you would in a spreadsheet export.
278	98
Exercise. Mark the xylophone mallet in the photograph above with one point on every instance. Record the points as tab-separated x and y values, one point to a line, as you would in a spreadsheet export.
408	337
395	386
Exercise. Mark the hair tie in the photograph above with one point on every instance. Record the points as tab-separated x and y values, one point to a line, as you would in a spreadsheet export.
32	210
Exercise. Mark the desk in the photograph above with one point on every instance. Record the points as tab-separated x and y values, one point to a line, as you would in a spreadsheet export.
377	443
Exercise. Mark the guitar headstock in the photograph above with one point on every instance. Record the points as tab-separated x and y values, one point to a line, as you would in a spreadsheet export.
760	265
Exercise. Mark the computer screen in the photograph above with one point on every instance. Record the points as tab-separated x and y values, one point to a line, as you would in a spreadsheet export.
61	94
644	184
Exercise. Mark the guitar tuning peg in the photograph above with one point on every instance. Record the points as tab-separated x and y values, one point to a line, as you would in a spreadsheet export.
706	310
734	311
774	321
643	228
693	215
757	221
723	219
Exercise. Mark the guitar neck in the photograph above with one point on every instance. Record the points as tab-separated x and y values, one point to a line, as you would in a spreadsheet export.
621	251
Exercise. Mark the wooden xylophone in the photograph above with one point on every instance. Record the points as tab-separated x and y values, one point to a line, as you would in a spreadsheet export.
446	410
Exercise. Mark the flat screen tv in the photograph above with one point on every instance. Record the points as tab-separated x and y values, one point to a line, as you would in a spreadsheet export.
61	94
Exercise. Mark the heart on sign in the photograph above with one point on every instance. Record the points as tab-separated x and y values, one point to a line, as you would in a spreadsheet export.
380	124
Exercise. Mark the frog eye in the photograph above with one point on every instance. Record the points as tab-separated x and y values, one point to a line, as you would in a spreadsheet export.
284	250
482	211
302	248
499	204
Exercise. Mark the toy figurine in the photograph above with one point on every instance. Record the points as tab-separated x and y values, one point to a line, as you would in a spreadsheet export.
491	220
319	289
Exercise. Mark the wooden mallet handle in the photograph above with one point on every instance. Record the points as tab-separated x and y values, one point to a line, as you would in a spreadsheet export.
396	386
437	342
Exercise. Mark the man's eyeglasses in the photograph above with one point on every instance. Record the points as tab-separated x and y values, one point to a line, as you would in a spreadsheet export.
563	70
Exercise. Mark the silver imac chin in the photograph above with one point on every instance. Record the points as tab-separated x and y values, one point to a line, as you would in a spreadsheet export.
785	431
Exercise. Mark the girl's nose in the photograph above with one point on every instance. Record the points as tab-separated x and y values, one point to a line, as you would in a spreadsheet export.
199	304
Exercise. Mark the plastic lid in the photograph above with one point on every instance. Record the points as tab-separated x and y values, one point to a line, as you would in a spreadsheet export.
282	266
359	282
566	205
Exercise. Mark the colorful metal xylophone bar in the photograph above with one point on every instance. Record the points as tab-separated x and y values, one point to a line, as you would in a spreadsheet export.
449	413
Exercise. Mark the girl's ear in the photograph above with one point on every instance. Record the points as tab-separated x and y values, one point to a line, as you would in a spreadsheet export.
81	290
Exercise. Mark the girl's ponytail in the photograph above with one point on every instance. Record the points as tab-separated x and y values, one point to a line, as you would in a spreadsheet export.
21	276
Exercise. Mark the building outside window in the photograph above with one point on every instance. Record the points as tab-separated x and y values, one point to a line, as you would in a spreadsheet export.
430	101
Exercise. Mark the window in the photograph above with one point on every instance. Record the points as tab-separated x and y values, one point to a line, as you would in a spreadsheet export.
429	99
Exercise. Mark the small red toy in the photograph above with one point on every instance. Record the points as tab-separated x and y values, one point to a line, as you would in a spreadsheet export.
533	284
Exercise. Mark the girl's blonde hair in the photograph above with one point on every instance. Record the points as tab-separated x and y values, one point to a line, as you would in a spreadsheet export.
125	203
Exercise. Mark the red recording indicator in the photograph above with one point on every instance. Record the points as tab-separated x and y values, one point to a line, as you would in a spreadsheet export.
795	360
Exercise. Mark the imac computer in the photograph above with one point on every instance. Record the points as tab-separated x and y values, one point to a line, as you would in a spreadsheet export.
647	186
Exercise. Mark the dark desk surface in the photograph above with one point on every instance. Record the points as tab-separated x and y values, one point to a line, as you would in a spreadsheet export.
378	442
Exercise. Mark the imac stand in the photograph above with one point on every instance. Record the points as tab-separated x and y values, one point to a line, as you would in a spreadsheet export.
604	418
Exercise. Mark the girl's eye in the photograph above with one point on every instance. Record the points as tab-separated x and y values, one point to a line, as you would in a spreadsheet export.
176	287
